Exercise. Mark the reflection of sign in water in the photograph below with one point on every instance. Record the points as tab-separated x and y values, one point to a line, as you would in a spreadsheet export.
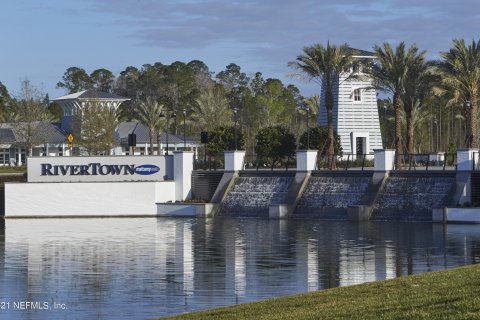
70	138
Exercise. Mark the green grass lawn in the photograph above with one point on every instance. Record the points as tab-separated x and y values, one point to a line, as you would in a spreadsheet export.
448	294
8	169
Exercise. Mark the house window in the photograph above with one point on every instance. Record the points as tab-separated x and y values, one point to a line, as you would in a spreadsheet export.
4	156
356	67
357	95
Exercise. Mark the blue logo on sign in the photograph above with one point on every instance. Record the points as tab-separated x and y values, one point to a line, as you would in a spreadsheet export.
147	169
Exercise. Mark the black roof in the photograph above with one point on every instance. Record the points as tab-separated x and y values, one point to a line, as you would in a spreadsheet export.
143	134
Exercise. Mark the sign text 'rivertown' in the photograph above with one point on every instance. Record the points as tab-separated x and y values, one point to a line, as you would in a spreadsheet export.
97	168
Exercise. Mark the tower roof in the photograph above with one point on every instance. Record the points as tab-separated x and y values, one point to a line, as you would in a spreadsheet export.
91	94
361	53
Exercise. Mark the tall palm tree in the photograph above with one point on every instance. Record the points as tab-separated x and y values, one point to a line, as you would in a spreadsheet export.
324	65
419	117
313	103
390	74
151	114
419	82
211	109
461	73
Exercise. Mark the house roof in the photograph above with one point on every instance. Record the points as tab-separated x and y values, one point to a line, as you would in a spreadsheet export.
6	136
143	134
42	132
361	53
91	94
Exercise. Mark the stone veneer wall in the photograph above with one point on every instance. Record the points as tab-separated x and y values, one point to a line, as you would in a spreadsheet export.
253	193
411	196
328	196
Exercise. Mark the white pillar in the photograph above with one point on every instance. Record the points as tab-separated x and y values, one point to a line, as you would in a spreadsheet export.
467	159
306	160
19	156
182	173
234	160
384	159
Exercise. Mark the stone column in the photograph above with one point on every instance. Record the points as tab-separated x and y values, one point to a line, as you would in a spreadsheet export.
234	160
306	160
182	171
384	159
467	159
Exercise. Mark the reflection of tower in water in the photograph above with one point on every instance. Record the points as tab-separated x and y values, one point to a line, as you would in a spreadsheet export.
235	262
174	259
312	265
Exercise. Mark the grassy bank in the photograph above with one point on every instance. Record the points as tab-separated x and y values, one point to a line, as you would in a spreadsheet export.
8	169
448	294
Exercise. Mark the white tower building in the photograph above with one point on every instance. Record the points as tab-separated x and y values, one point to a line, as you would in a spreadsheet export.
355	113
73	103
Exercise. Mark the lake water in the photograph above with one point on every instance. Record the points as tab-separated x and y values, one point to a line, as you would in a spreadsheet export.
147	267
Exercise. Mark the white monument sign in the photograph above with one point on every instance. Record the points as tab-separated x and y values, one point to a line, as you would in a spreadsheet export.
98	169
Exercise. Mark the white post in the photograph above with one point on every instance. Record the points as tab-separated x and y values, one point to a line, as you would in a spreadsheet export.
467	159
19	156
384	159
306	160
182	173
234	160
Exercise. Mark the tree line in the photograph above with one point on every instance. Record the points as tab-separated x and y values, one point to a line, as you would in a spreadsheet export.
163	97
431	105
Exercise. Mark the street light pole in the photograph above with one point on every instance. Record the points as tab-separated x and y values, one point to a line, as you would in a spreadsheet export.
235	110
168	122
385	126
308	127
469	134
184	129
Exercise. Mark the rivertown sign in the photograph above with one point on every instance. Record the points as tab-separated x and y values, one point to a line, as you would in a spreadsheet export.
94	169
97	169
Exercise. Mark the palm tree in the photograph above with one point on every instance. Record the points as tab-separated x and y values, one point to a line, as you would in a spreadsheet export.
151	114
324	65
419	81
313	103
211	109
390	73
419	118
461	73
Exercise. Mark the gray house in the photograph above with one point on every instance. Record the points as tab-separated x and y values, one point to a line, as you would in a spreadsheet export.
44	138
173	141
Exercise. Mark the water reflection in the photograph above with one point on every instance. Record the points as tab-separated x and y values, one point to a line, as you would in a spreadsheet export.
140	268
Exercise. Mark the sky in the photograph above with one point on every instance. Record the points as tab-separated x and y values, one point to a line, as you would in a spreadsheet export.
41	39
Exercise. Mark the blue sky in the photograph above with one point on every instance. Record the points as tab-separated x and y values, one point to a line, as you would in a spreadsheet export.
41	39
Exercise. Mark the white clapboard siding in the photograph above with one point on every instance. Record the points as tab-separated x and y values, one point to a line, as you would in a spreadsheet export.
353	118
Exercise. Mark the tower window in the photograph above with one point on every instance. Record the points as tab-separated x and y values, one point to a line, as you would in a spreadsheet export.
356	67
357	95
